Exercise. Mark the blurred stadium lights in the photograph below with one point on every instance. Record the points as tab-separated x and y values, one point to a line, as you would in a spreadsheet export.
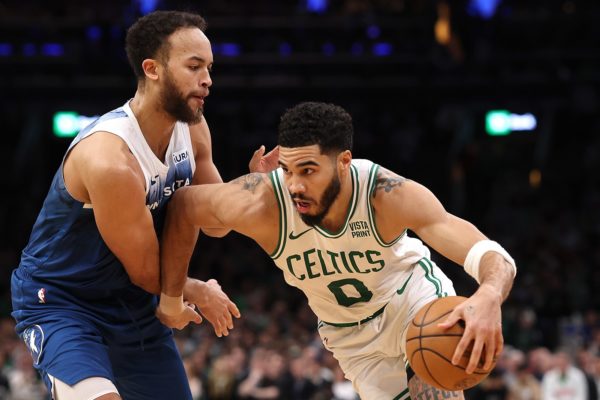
93	33
503	122
53	49
382	49
285	49
535	178
485	9
229	49
316	6
328	49
373	31
66	124
146	6
6	49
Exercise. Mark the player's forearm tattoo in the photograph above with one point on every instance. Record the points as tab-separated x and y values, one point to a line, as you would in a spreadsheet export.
387	182
419	390
250	182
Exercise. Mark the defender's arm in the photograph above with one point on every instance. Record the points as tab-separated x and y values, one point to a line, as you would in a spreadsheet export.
246	205
102	171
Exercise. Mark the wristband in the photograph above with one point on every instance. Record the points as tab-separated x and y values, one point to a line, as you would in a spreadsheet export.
171	305
478	250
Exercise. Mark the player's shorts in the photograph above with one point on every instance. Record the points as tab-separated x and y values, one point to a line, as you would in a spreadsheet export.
372	354
117	338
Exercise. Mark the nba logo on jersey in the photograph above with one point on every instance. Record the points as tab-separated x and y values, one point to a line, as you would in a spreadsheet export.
42	295
34	339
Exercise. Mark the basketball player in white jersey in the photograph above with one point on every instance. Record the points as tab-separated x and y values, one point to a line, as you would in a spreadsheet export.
337	228
84	292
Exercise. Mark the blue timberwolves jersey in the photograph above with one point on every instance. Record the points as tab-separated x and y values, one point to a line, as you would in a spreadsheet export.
65	247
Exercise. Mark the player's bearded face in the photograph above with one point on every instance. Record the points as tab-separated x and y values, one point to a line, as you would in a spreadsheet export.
329	195
177	104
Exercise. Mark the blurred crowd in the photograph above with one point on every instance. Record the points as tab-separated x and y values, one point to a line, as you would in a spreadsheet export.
274	353
419	112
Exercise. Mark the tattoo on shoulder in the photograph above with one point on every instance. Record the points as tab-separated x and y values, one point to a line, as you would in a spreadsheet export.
387	181
250	182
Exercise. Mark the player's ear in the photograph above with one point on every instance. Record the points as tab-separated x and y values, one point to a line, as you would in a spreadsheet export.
344	159
150	67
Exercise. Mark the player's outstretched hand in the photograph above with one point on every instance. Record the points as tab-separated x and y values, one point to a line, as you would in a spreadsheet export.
483	328
180	319
216	307
264	163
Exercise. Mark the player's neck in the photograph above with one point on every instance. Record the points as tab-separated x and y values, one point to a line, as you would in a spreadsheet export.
336	217
156	125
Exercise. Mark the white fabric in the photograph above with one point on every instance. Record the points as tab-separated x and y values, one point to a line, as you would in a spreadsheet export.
350	263
372	355
478	250
87	389
154	169
571	385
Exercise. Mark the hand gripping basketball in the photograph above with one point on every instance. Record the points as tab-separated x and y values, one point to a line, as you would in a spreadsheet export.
429	348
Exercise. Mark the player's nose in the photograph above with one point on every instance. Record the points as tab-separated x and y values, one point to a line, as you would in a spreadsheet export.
205	80
296	187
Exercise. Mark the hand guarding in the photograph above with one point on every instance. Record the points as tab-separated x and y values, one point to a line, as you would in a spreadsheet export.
264	163
179	320
217	308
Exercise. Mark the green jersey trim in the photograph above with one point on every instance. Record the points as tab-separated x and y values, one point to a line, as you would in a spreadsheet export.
359	323
371	189
282	215
404	395
430	276
351	208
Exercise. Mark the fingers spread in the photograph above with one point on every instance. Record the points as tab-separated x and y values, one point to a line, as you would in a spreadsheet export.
475	356
462	346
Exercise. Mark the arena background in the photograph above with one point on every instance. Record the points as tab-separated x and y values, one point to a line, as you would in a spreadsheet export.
420	79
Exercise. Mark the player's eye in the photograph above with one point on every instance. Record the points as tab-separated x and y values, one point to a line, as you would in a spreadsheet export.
194	67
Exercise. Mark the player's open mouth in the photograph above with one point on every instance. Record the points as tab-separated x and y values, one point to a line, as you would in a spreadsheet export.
199	99
302	206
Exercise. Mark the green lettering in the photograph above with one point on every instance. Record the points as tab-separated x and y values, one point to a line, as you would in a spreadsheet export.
369	254
353	261
309	264
334	262
289	264
345	262
345	300
323	265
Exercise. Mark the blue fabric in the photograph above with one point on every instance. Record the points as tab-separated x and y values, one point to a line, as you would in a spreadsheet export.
116	337
78	311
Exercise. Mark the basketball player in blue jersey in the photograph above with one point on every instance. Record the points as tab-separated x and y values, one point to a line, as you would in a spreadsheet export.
84	292
337	228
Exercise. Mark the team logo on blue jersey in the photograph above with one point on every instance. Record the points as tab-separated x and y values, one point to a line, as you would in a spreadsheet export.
34	339
180	156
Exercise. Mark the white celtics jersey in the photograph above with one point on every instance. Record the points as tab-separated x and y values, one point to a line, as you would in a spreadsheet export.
162	177
348	275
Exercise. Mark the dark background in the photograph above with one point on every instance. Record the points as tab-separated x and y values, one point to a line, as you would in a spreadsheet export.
418	100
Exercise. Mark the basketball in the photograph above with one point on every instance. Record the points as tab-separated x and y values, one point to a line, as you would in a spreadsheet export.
429	349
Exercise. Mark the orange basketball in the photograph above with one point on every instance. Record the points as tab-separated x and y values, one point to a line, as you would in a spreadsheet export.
429	349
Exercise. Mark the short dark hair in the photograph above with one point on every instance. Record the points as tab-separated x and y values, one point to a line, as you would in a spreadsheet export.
147	37
309	123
